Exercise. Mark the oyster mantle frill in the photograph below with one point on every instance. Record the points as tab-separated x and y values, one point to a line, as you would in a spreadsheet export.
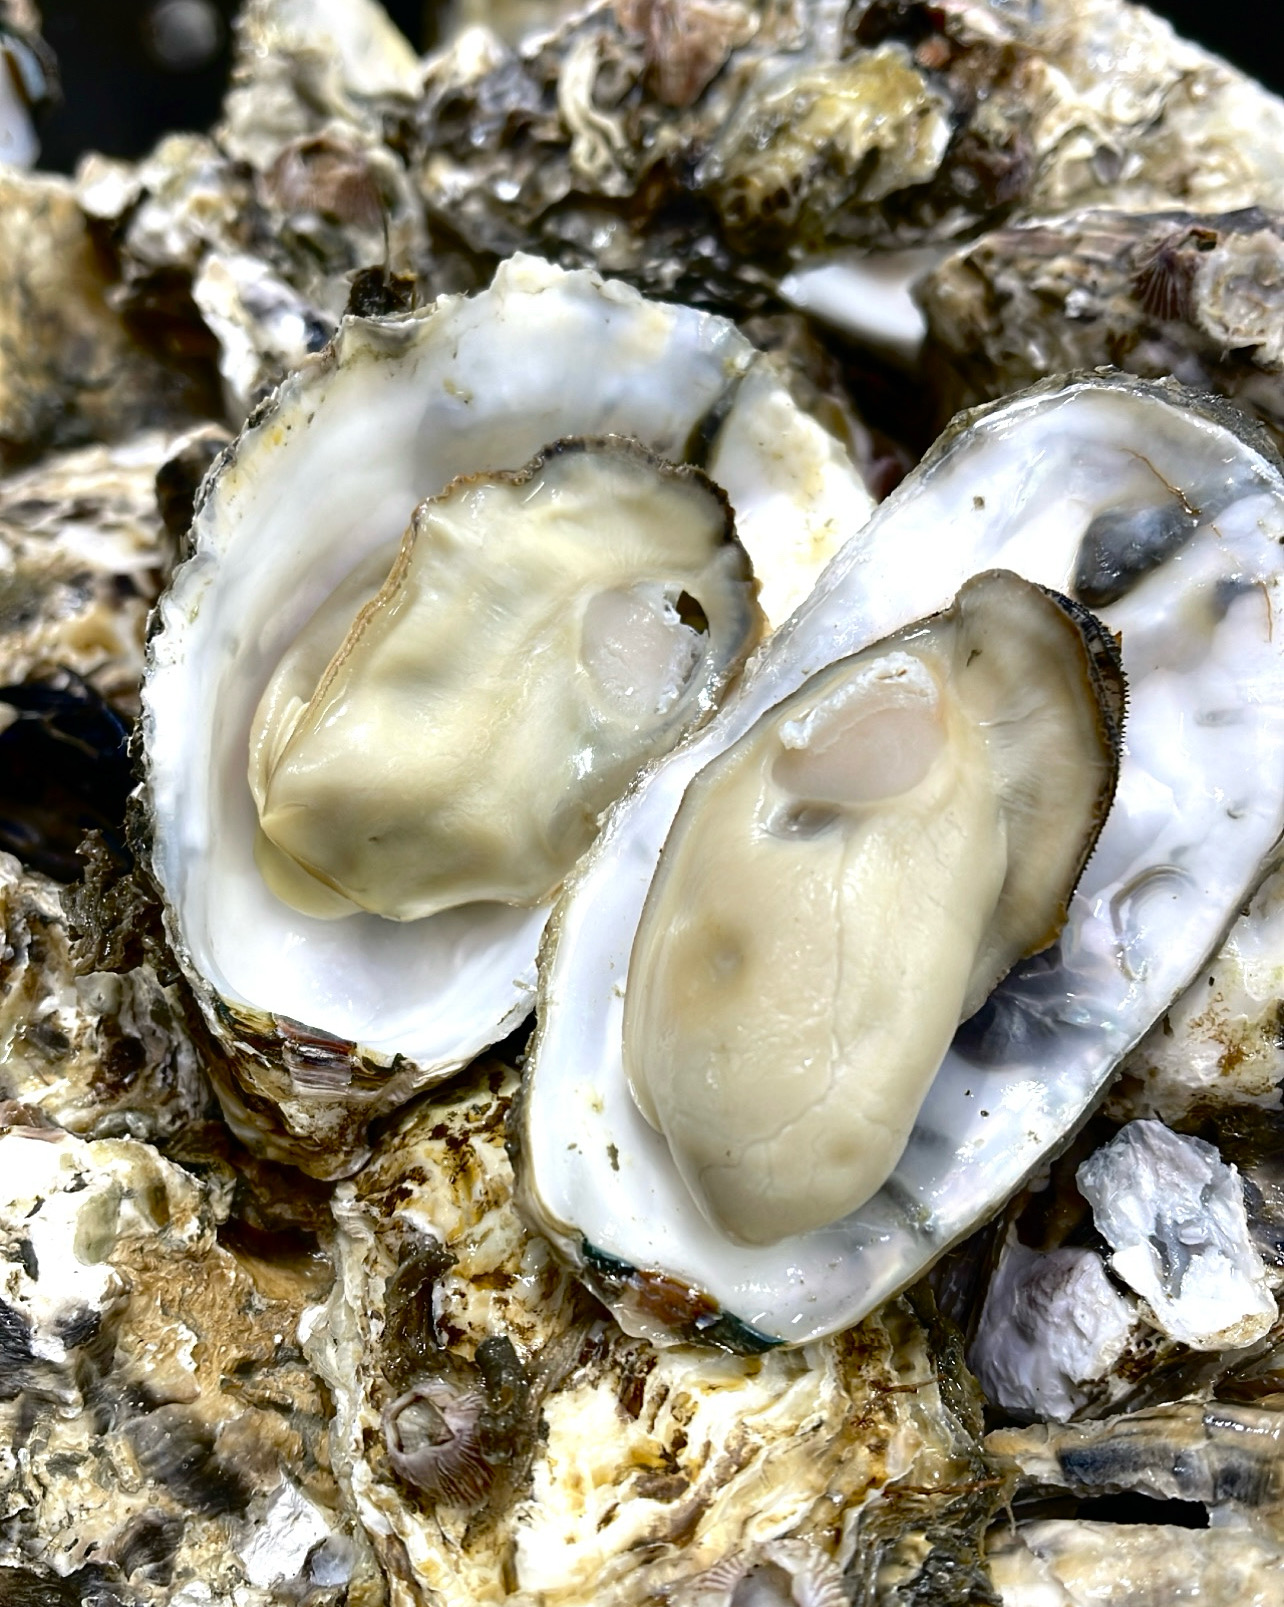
321	1024
1153	504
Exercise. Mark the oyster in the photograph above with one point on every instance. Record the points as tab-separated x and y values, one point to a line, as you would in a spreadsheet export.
99	1054
324	1024
84	554
259	233
644	140
503	1441
72	368
710	160
147	1456
1174	1466
1093	487
520	663
1195	295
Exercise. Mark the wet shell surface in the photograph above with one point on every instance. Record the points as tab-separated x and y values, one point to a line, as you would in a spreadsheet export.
323	1024
1139	500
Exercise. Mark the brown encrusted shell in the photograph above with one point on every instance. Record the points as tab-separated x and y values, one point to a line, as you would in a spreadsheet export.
72	368
1198	295
632	1470
713	184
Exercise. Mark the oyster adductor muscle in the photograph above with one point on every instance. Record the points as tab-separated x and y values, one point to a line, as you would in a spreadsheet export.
322	1024
1031	484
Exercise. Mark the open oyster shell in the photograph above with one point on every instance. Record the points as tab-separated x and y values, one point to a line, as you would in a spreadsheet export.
323	1025
1146	503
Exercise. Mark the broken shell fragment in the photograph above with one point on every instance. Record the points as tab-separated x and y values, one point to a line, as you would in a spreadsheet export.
1069	485
322	1024
1173	1213
914	819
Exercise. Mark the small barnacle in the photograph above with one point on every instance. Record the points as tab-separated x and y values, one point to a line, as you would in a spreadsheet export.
781	1573
433	1440
1162	284
453	1431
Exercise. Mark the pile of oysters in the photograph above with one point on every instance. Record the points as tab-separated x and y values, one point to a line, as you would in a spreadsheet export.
642	693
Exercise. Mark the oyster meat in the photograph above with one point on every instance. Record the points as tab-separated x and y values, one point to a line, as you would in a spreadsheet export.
914	819
523	659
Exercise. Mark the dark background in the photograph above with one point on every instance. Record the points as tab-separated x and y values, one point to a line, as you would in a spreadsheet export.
132	69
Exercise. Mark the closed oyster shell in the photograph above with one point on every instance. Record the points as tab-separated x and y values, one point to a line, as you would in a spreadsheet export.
72	369
1221	1456
262	229
98	1054
652	1472
1195	295
163	1440
84	553
580	142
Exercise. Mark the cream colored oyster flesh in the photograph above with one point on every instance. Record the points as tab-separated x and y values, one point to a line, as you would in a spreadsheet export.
525	656
848	882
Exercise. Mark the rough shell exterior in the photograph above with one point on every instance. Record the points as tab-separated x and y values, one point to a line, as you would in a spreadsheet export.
1195	295
624	1471
146	1455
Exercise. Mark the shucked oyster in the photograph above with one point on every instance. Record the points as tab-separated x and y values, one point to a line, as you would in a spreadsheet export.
1152	508
324	1022
924	807
522	660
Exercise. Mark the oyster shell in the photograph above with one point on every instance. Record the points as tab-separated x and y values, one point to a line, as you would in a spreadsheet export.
1168	1461
163	1440
1194	295
708	161
1070	485
324	1025
72	369
263	229
654	1473
1218	1048
1193	1279
100	1055
83	556
1089	1564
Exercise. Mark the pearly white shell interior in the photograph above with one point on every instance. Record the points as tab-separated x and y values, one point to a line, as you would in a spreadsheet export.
1199	809
332	470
